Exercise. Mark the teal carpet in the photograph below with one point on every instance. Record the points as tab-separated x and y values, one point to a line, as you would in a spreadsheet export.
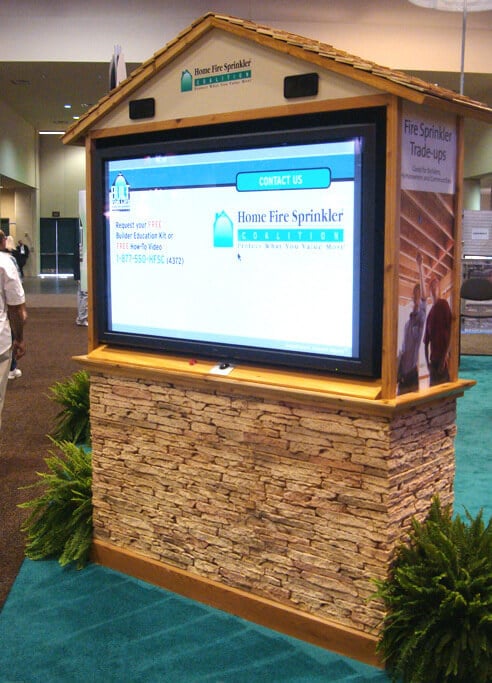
99	625
473	445
96	625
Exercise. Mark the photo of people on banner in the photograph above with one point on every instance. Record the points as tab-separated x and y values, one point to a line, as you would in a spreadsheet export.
427	227
427	241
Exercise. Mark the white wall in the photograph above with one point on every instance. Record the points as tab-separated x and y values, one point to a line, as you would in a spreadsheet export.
394	33
19	162
7	205
471	195
62	175
478	149
18	147
19	206
48	174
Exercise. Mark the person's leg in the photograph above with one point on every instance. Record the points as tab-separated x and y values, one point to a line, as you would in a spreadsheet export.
82	313
13	362
5	359
14	371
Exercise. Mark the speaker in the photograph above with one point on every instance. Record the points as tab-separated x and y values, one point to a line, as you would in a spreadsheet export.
142	109
301	85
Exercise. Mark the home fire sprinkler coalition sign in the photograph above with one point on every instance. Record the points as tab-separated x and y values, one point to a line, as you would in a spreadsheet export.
215	74
428	153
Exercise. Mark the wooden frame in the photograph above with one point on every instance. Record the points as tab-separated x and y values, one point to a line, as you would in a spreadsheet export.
386	389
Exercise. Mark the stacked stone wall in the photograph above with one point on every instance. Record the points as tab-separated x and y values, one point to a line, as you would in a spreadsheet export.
297	503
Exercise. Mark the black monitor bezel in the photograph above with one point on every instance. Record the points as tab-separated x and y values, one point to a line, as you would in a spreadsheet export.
369	123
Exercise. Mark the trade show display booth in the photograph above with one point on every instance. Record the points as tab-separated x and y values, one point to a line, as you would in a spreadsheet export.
273	235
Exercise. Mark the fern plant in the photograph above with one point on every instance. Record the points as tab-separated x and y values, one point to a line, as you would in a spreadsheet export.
72	423
438	599
60	520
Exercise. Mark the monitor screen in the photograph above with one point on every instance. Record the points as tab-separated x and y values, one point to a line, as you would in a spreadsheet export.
254	246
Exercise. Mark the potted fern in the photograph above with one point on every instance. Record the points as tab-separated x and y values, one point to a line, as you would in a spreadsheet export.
438	599
59	523
60	519
72	423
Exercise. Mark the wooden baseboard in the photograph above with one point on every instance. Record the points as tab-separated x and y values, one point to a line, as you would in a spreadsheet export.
327	634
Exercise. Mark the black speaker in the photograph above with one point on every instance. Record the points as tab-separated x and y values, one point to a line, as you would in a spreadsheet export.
301	85
142	109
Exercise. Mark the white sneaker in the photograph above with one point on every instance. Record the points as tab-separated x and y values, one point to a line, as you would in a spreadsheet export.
13	374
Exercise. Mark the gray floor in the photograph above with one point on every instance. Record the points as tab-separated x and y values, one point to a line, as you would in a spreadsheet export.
50	292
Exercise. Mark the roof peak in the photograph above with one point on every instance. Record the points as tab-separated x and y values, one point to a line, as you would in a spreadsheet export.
321	54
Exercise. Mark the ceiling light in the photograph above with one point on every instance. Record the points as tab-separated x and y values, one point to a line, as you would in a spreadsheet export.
455	5
51	132
67	106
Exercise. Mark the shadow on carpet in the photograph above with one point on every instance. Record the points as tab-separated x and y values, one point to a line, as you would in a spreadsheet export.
94	625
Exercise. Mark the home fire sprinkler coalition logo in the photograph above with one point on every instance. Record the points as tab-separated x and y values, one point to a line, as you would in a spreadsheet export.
216	75
120	194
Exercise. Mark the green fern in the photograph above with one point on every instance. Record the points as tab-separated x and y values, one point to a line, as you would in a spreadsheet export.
72	423
60	522
438	599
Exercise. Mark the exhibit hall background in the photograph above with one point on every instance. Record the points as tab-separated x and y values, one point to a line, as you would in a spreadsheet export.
45	176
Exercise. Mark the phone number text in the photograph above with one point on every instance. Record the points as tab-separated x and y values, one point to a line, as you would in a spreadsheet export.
150	259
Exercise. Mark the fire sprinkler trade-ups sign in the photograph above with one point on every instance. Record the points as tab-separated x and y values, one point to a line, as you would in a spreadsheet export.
428	151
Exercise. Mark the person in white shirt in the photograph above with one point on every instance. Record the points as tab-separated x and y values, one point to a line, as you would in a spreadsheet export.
13	316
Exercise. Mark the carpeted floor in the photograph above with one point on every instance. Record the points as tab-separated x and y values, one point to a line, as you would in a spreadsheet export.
96	625
473	444
52	339
99	626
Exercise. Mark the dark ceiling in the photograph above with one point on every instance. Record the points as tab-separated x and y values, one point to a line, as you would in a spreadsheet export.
41	91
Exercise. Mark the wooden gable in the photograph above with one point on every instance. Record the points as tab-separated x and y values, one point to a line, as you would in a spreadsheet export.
367	76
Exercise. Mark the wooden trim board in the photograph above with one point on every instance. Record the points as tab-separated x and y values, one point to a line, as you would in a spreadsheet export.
319	106
335	392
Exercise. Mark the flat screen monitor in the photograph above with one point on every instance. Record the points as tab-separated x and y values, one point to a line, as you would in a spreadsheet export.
260	242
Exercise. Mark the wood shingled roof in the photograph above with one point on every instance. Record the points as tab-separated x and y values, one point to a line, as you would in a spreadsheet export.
320	54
